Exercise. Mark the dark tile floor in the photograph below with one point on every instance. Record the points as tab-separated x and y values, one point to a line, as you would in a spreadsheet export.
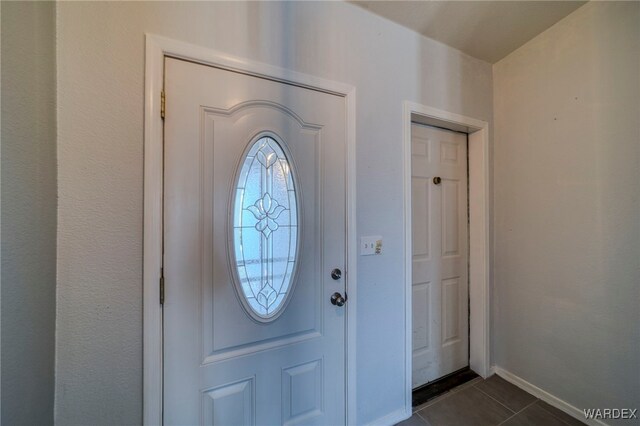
488	402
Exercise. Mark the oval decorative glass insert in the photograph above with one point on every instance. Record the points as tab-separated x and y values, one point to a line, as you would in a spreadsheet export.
265	229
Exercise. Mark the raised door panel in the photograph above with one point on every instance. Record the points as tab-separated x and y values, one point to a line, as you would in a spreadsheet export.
450	221
450	311
230	404
302	392
302	317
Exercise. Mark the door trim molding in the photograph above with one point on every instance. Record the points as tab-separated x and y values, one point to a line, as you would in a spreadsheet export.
156	48
479	248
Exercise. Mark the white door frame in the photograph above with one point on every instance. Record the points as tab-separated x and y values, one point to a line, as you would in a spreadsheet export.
479	254
157	47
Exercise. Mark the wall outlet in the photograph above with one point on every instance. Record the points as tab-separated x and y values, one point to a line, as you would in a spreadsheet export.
370	245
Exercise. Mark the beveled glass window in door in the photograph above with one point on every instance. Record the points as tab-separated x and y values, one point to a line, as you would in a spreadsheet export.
265	229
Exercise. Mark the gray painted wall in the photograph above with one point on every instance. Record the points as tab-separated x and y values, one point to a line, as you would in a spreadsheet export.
28	197
567	208
100	151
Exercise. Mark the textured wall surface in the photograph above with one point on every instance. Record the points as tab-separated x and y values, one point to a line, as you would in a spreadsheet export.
28	197
100	149
567	208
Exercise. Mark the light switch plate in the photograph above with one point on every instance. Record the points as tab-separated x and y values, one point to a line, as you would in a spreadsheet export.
370	245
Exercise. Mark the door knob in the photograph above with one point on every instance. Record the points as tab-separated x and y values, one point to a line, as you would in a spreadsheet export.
337	299
437	180
336	274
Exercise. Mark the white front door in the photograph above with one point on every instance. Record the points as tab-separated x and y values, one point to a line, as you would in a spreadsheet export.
440	252
254	224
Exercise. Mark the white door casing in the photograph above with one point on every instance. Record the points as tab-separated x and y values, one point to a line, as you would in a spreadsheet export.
479	159
220	364
439	253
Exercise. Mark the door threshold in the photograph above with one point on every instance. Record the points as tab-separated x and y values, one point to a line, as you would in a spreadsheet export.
428	391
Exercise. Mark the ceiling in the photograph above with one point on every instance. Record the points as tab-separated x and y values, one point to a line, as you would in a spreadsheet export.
487	30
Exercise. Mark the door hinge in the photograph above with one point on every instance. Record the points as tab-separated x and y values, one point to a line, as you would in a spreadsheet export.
161	286
163	102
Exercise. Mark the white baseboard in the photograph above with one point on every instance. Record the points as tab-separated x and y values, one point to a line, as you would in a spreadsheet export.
546	396
391	418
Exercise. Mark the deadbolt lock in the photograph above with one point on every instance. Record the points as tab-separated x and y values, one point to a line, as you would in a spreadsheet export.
336	274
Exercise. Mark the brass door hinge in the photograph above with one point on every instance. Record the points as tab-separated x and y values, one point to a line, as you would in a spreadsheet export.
161	286
162	103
